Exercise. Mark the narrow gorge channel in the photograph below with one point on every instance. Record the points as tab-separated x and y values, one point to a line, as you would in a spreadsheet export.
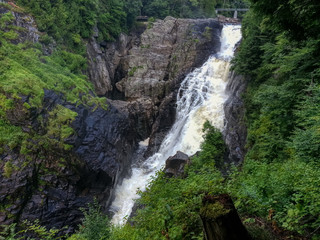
201	97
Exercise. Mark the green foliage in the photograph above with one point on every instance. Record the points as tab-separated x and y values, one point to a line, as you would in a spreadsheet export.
299	18
63	19
59	121
8	232
290	189
69	21
95	225
5	19
11	136
40	232
171	206
207	33
133	70
25	71
213	147
178	8
151	20
34	229
280	174
213	210
8	169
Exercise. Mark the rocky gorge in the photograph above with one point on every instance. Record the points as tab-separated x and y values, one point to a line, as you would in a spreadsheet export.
139	74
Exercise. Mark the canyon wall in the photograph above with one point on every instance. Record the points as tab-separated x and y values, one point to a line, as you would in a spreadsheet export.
140	74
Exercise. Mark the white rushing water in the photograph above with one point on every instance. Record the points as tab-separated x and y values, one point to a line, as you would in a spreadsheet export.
201	97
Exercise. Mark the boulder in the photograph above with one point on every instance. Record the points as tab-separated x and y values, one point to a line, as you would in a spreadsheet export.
175	164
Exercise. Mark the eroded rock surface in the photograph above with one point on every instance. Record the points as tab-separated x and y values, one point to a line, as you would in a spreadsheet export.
235	132
26	22
150	66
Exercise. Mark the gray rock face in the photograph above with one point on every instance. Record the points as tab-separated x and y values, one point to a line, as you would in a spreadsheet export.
104	60
150	66
152	61
235	133
27	23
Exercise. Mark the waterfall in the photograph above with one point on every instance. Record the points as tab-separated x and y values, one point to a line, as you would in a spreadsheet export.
201	97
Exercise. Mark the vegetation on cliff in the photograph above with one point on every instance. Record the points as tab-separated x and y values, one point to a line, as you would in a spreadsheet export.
171	206
69	21
278	183
25	75
279	180
33	134
280	175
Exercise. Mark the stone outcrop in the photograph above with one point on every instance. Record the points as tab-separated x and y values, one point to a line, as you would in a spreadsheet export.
235	132
150	66
53	189
104	60
175	164
24	21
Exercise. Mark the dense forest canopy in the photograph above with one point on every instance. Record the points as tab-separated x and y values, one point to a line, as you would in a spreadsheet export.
69	21
280	55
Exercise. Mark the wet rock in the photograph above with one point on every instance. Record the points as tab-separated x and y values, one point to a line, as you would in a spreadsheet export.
163	123
235	132
175	164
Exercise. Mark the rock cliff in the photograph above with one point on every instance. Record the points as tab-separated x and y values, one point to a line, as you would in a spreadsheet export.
140	74
235	132
149	66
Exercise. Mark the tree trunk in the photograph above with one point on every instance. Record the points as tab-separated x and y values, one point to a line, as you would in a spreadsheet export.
221	220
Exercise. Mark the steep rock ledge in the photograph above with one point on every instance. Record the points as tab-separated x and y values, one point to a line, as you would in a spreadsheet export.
235	132
149	66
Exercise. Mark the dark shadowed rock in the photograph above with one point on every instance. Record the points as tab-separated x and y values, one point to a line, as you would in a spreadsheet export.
235	132
175	164
54	188
163	123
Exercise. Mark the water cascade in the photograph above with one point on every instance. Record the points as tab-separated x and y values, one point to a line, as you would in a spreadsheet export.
201	97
